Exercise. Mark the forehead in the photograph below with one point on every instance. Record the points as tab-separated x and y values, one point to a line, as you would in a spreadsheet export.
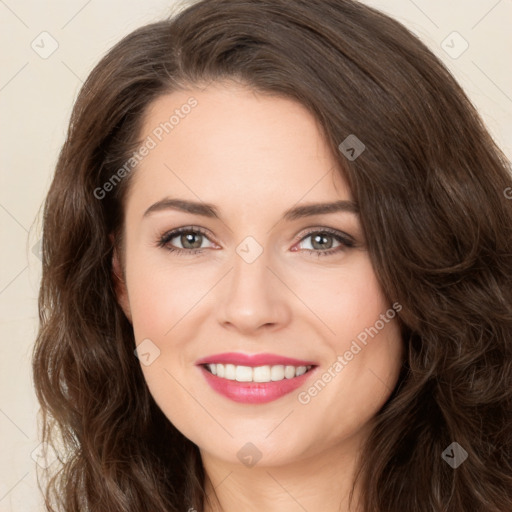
227	141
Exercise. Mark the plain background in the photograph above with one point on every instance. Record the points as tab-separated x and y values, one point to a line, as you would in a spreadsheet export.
37	92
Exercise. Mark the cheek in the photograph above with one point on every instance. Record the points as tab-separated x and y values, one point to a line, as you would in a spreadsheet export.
361	330
346	301
161	293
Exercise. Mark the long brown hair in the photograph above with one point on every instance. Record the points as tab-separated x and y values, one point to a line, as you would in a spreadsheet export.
430	186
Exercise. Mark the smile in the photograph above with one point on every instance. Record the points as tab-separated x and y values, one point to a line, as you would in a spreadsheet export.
264	373
255	385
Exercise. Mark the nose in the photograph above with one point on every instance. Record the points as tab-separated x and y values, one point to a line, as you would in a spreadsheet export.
254	298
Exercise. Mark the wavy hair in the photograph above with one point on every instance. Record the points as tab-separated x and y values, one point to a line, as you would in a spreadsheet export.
431	188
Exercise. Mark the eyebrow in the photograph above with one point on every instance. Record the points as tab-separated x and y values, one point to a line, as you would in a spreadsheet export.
210	211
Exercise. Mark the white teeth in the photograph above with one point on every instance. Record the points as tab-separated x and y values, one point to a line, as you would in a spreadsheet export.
258	373
277	372
243	374
301	370
261	374
229	372
289	372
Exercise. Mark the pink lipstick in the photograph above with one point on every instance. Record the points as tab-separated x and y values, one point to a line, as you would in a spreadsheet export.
254	378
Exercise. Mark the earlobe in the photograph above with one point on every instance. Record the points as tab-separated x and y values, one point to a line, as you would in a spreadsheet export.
120	284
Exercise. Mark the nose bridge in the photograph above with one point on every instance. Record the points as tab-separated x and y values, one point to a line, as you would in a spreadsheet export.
254	297
250	274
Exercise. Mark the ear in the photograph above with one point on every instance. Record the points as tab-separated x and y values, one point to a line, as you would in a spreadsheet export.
119	282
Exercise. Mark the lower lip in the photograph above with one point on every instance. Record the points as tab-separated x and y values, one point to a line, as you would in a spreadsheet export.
254	392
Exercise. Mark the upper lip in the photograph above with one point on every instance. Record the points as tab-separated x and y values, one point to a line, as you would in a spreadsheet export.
239	359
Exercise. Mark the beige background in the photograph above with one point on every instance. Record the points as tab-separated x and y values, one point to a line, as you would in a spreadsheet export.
36	96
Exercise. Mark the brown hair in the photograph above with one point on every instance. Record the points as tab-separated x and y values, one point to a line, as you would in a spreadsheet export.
430	189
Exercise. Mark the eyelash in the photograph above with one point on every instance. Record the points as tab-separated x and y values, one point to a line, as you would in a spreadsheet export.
345	241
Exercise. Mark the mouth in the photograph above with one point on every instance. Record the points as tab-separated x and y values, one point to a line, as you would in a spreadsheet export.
255	382
263	374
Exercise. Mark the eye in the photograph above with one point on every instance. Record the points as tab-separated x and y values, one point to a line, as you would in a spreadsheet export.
323	241
191	239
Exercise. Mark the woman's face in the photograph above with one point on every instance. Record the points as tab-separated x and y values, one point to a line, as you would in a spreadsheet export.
264	282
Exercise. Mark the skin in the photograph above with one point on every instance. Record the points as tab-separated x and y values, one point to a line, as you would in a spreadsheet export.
254	156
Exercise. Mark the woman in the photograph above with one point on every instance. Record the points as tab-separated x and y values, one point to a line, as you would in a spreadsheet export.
195	354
